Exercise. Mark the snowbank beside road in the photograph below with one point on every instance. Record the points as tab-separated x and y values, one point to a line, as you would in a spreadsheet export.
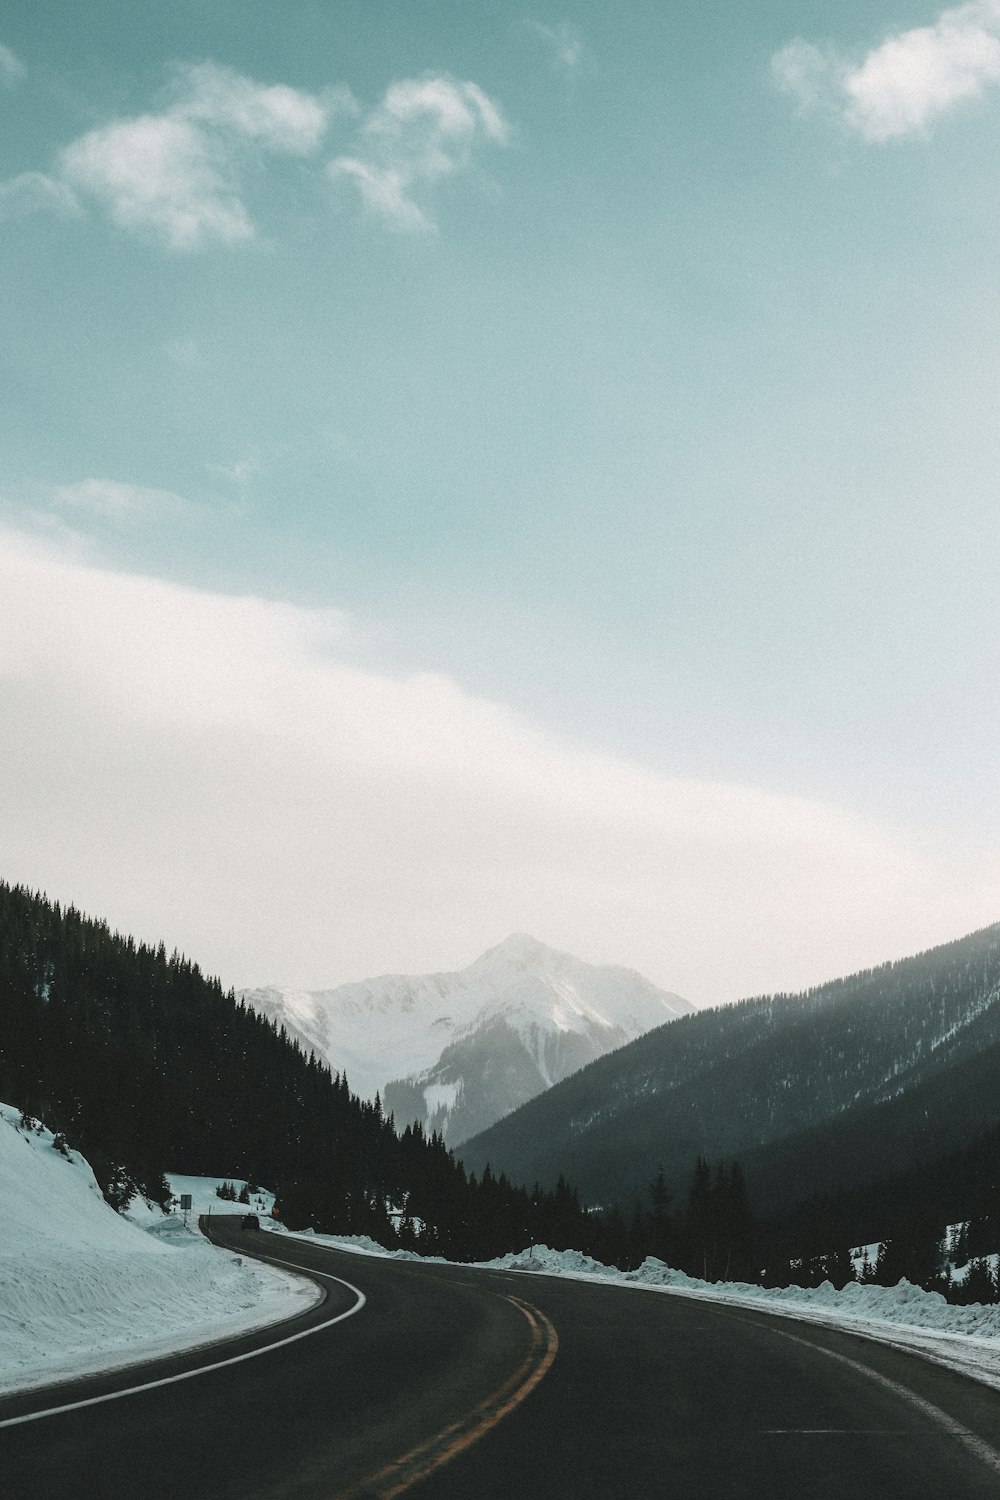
966	1339
83	1289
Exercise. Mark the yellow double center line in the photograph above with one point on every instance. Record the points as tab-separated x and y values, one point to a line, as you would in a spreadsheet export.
429	1455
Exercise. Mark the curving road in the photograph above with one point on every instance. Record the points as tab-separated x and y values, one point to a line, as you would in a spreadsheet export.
446	1384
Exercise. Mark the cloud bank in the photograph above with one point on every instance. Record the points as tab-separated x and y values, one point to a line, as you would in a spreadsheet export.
217	772
907	82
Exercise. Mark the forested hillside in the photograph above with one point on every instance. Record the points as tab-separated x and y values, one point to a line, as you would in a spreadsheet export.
145	1065
866	1074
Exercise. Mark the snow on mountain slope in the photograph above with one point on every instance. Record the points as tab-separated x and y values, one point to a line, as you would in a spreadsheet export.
84	1289
457	1050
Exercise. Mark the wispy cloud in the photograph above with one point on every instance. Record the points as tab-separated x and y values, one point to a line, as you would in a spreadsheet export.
384	191
565	42
178	174
11	67
278	117
905	83
425	129
114	501
181	174
32	193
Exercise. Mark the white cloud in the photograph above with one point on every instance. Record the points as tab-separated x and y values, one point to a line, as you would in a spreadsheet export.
565	42
912	78
447	113
11	67
384	192
114	501
162	174
33	192
179	174
280	118
424	129
215	771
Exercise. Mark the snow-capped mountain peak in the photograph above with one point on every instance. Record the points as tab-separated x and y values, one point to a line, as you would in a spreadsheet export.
456	1050
521	952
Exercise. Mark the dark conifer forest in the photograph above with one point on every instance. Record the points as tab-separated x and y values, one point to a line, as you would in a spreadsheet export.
866	1078
146	1066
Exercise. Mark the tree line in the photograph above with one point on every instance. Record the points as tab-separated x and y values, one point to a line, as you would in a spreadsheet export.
146	1065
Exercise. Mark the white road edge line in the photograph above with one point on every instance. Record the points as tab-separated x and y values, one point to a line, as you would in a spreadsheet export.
219	1364
975	1445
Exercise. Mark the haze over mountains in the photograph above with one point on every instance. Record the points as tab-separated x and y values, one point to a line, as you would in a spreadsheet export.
866	1078
848	1109
457	1051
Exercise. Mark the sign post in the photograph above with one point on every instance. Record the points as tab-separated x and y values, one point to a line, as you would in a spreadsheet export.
185	1206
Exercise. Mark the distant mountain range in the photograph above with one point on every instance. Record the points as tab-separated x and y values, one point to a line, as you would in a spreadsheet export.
457	1051
864	1079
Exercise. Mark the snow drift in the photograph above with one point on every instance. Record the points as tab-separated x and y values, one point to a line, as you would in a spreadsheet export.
84	1289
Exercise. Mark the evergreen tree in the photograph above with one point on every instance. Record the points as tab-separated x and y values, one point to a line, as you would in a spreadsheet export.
662	1226
914	1252
979	1285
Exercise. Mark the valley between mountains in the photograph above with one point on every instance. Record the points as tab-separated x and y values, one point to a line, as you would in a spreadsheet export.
474	1142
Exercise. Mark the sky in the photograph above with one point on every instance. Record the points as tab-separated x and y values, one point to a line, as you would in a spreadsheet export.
480	469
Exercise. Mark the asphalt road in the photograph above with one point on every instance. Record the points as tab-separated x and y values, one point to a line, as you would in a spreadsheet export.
449	1384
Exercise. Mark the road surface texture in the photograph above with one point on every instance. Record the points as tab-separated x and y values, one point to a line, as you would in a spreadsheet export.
443	1383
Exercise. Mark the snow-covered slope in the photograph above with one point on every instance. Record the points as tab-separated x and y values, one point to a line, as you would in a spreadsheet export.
84	1289
458	1050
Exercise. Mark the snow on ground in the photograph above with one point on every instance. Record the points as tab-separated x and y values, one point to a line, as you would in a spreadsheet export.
966	1339
84	1289
205	1200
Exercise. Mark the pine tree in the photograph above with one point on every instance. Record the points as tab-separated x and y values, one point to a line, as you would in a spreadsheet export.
662	1227
980	1284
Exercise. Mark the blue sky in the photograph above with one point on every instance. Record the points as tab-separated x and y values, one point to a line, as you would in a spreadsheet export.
624	377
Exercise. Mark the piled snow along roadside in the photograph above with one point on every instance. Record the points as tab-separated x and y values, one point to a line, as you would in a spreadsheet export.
84	1289
966	1339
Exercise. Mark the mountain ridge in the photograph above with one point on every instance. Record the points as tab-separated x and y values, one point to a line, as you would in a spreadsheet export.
741	1080
456	1049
